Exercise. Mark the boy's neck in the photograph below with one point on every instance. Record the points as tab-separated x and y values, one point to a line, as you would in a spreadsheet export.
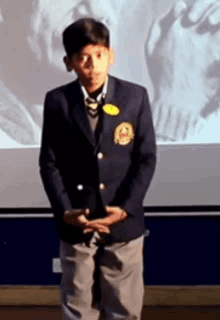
94	91
94	94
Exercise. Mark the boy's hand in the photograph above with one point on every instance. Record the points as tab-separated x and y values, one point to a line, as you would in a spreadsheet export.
77	217
115	215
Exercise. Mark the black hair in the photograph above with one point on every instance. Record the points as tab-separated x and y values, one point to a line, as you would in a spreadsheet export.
83	32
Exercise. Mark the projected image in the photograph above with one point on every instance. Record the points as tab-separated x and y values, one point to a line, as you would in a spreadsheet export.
183	55
171	47
31	59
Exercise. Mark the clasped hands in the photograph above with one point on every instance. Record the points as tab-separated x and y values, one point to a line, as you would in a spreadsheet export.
78	217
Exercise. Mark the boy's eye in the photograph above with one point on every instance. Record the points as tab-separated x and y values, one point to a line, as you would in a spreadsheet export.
83	58
99	55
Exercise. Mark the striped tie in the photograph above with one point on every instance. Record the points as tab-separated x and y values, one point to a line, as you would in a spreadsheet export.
92	107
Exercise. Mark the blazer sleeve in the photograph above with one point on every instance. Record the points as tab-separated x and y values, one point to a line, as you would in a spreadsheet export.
131	191
49	171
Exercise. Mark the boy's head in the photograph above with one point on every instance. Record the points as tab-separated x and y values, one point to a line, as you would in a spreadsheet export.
82	32
86	43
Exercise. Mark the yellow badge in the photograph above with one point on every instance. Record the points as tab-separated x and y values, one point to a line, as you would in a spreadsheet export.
124	133
111	109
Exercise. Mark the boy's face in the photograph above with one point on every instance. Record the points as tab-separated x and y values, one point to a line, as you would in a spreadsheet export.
91	65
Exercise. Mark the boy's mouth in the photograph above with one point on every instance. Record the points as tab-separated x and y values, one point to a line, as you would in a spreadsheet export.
93	75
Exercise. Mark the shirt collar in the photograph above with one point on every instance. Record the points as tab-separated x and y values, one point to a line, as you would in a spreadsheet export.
100	96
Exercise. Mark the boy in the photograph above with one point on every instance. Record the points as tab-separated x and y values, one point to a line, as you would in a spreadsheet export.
97	160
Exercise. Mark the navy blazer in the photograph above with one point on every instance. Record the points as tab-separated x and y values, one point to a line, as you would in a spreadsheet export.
73	173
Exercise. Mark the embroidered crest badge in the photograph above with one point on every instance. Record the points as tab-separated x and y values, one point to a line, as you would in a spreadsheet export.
111	109
124	133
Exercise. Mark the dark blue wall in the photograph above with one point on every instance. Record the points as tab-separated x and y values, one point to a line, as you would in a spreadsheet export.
182	251
178	251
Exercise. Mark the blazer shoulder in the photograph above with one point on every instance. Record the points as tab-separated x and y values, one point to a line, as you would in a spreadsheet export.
58	96
128	85
61	89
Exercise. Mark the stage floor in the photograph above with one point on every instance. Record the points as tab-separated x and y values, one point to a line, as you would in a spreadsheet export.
149	313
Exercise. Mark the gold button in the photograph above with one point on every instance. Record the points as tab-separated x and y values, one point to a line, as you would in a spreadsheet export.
100	155
102	186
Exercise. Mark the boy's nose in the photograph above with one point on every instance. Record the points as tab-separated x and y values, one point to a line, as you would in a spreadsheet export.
92	64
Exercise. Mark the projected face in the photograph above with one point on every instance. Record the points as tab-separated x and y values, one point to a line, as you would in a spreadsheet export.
52	17
182	73
182	52
32	59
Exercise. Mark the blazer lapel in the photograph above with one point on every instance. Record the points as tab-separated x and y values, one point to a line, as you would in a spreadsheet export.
77	111
108	121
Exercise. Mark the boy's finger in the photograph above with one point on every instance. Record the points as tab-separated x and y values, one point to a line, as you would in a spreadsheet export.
100	230
82	219
97	221
87	230
79	212
76	213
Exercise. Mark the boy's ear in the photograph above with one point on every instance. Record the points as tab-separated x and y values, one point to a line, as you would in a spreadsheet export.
66	61
111	56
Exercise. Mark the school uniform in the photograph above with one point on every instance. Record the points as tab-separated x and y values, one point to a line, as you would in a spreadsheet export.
87	163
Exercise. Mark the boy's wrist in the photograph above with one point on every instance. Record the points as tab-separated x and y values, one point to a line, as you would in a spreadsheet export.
123	212
77	212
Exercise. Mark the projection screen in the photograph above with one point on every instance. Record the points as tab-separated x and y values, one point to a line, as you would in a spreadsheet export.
170	47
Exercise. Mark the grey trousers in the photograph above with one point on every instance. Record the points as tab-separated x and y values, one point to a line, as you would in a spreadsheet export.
102	282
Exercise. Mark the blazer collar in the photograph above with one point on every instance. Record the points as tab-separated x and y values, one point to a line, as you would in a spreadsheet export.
102	95
77	111
110	90
112	97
